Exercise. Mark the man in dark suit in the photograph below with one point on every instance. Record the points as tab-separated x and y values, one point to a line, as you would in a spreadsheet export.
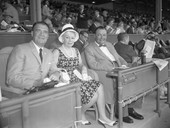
132	28
29	63
82	19
102	56
124	49
98	17
82	42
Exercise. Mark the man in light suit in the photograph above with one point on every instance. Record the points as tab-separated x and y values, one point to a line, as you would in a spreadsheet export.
102	56
27	66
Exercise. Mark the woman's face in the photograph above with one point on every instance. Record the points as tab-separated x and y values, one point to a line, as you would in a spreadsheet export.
69	38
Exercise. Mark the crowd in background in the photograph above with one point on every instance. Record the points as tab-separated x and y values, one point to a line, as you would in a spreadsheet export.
56	14
89	18
85	17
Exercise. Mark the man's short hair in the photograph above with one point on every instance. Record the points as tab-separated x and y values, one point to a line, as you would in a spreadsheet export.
100	27
122	36
39	22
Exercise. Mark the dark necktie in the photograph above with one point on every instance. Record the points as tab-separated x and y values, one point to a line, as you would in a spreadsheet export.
40	54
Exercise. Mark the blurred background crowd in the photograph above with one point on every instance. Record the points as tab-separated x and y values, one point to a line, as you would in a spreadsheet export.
83	17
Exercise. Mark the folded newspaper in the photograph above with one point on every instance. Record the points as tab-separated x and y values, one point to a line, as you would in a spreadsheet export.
160	63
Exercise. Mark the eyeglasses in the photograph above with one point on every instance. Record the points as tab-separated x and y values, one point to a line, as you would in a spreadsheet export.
86	36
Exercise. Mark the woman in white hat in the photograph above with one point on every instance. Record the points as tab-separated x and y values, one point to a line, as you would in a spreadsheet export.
68	58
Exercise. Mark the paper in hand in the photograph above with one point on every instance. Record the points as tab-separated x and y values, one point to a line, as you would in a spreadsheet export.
160	63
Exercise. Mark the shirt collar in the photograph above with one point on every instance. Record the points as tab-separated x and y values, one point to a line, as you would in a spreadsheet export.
100	44
97	43
122	42
81	41
36	46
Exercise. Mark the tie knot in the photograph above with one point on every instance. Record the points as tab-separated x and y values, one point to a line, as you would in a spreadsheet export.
102	45
40	49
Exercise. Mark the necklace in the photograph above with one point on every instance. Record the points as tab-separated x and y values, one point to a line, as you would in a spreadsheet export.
68	53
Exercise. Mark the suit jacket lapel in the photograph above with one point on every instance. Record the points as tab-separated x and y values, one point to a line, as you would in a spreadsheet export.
34	51
45	57
100	51
112	51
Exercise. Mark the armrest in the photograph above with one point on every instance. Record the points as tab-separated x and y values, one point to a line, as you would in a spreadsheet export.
10	92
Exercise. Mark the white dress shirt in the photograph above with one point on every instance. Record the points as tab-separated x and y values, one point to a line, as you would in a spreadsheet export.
37	47
107	52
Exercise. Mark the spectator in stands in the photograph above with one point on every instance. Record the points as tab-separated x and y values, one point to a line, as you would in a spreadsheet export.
159	50
51	28
166	26
93	27
56	19
1	15
123	48
64	9
46	11
132	28
141	29
9	25
105	16
102	56
98	17
158	28
81	43
6	22
68	58
120	27
82	19
109	26
30	63
167	42
10	10
151	25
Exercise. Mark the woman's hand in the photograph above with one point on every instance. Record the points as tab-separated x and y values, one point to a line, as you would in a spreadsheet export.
54	77
64	77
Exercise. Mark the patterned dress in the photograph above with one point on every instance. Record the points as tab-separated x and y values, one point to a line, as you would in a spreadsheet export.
88	88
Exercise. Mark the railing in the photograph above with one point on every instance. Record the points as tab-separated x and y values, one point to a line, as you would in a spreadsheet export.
54	108
136	82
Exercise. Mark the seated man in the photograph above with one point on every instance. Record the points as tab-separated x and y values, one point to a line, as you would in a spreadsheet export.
124	49
102	56
82	42
31	62
159	50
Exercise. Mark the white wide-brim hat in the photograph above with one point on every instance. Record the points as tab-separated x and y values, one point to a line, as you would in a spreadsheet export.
68	28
